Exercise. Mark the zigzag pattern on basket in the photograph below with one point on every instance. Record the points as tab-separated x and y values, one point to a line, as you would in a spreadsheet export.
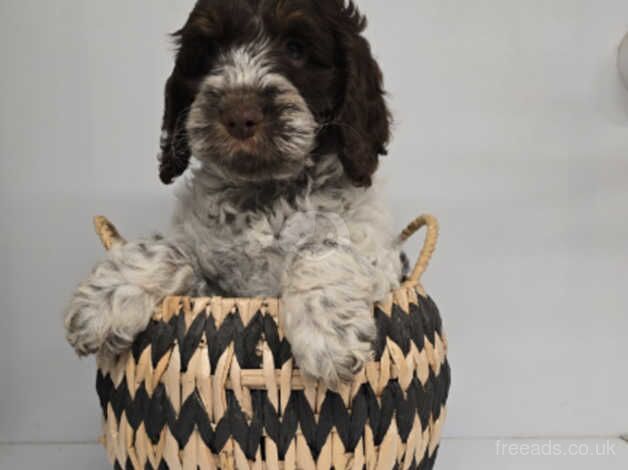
211	384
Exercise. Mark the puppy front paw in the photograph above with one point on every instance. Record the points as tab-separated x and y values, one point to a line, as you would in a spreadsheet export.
329	343
106	314
332	359
86	325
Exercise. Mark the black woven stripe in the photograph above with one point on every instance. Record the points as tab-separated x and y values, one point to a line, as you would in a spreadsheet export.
288	428
406	410
359	417
141	343
211	333
245	345
280	348
120	399
138	408
239	428
158	412
415	321
386	411
428	462
342	418
271	335
285	353
424	399
104	388
219	339
441	385
127	466
400	328
428	319
372	407
222	434
438	322
325	424
183	425
383	331
306	419
271	420
162	336
436	398
256	428
190	340
205	429
425	463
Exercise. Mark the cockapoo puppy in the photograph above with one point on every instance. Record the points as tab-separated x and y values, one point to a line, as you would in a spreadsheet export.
281	104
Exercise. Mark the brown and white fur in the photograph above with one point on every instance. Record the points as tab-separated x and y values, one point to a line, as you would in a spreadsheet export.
280	103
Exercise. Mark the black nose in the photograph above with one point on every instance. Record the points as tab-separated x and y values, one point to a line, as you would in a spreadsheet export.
243	120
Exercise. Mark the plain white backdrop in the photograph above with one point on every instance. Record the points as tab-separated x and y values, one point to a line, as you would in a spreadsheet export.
511	126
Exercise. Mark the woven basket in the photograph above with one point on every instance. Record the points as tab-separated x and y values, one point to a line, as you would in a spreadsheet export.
211	384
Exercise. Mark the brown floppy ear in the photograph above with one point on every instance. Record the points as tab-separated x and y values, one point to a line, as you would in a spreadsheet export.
363	120
192	63
175	152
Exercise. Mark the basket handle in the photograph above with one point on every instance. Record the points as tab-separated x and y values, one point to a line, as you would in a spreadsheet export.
108	233
429	246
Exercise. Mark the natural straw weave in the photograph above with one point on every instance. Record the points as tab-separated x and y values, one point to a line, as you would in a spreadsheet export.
211	384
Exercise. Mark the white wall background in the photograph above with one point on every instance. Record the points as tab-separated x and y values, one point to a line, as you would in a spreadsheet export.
512	127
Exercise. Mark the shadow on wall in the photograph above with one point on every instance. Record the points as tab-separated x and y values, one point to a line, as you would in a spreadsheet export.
622	66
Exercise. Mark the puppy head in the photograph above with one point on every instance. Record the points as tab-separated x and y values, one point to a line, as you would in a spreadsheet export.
261	87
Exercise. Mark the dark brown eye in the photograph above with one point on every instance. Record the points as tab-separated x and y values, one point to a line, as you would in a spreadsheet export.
295	51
